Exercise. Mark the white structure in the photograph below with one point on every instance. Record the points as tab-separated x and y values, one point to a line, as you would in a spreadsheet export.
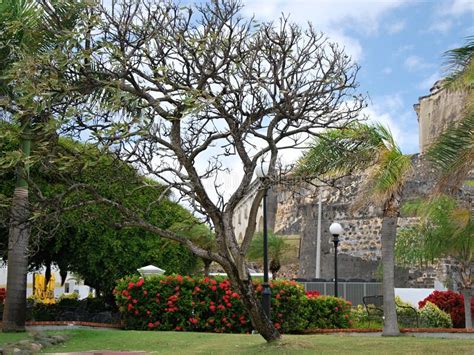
150	270
241	214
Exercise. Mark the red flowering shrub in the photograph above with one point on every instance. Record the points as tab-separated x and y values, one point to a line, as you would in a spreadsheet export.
311	294
208	304
2	295
452	303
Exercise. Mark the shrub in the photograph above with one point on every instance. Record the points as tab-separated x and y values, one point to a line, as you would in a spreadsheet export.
311	294
433	317
183	303
451	303
2	294
328	312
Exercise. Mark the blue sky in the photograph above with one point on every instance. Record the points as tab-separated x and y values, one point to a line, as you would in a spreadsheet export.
398	43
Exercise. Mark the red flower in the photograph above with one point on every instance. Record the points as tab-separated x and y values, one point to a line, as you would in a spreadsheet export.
178	328
213	288
135	301
145	292
140	282
150	325
235	295
130	307
277	325
136	312
130	285
148	312
212	308
124	293
179	278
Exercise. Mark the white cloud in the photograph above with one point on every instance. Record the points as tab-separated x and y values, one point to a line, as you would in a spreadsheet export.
459	7
448	11
405	48
428	82
334	17
396	27
387	70
441	26
391	115
413	63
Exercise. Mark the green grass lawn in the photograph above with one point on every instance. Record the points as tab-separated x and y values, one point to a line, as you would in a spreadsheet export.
12	337
209	343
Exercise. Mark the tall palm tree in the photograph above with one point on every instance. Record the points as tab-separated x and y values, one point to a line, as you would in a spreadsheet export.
368	149
453	151
28	27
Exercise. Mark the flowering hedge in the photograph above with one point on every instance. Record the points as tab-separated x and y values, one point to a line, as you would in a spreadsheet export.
207	304
452	303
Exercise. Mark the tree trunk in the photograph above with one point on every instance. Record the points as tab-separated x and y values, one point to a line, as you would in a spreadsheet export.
207	265
14	315
259	319
389	230
254	308
467	293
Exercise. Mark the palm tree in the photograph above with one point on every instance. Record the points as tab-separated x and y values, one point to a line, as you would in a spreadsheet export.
368	149
28	27
446	230
277	246
453	152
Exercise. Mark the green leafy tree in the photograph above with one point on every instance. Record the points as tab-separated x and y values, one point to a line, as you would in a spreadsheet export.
277	246
200	234
368	149
85	239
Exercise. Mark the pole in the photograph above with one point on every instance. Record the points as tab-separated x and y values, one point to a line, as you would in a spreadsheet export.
336	241
266	299
318	238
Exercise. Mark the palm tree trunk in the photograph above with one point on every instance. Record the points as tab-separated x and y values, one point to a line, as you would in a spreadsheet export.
467	293
14	314
389	230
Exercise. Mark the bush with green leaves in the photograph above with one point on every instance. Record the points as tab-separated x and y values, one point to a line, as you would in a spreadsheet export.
433	317
328	312
210	304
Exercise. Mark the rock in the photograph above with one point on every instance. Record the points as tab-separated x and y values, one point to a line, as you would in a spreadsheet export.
60	338
35	347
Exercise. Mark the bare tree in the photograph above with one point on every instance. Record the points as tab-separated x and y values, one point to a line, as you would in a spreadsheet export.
182	91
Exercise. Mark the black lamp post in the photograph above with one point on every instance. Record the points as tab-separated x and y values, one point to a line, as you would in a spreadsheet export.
336	230
262	172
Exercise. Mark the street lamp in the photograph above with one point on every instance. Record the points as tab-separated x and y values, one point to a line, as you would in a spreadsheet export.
336	230
262	173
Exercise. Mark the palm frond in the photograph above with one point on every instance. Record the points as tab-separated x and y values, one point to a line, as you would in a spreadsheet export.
341	151
460	66
453	153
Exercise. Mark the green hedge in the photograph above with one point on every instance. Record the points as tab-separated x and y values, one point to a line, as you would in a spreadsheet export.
207	304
